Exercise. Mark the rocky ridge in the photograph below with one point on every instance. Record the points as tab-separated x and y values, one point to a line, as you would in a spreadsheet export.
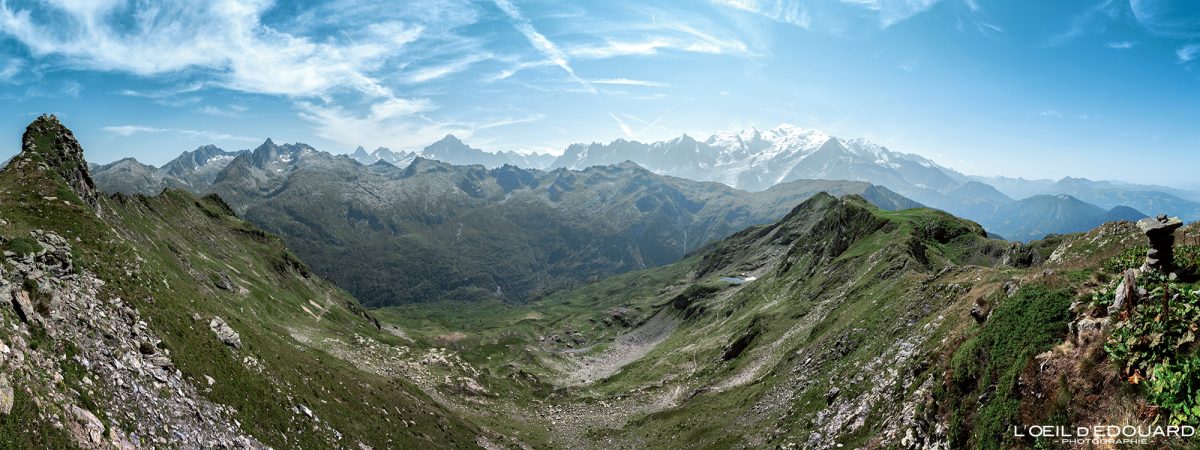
123	373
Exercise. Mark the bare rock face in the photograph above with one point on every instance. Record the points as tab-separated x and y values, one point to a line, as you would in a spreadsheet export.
48	145
1161	232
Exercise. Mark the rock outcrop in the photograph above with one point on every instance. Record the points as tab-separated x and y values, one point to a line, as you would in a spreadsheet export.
125	375
225	333
48	145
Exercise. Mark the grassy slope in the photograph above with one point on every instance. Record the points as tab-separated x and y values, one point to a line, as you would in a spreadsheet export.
839	314
826	298
163	254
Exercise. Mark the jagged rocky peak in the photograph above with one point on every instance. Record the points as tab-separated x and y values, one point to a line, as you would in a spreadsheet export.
48	145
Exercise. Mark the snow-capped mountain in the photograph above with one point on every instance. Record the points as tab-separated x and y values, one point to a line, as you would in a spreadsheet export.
399	159
453	151
751	160
756	160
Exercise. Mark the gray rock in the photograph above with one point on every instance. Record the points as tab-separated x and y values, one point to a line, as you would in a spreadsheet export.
225	333
1126	293
1088	329
23	306
91	425
222	281
6	398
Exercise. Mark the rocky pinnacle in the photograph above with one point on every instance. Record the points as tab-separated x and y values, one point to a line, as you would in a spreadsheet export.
47	144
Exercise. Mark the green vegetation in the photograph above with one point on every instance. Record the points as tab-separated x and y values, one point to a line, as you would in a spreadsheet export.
22	245
1156	348
1161	326
856	314
24	428
982	393
1175	386
158	252
1187	258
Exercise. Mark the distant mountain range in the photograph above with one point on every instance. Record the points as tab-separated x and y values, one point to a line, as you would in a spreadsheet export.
193	171
452	150
433	230
756	160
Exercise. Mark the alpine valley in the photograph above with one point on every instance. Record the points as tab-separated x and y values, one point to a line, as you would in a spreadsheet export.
599	224
585	307
454	222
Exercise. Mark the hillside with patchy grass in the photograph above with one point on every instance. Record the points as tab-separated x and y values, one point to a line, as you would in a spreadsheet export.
168	321
842	325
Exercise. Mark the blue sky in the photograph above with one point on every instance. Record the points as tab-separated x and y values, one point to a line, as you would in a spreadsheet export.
1100	89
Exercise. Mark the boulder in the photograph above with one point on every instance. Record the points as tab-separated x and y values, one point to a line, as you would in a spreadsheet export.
222	281
23	306
225	333
93	428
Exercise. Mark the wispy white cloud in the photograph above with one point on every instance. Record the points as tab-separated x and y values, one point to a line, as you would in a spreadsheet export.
629	82
517	67
510	121
841	17
396	123
539	41
1050	113
610	48
666	32
225	38
9	69
649	125
1187	53
1120	45
784	11
163	93
891	12
430	73
227	111
621	123
1177	20
130	130
988	29
1089	20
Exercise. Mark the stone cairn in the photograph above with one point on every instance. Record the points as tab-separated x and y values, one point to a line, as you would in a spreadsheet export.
1161	231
